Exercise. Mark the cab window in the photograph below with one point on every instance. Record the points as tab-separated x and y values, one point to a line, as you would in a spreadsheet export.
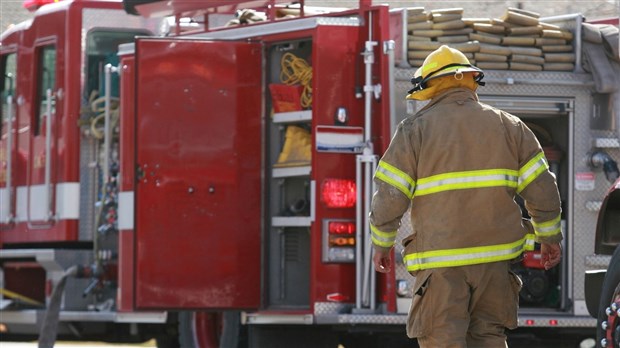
102	49
46	80
8	68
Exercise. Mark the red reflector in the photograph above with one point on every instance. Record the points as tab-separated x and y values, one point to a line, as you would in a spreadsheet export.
337	297
553	322
338	193
341	227
529	322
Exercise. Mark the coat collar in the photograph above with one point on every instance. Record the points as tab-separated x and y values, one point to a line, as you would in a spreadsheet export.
449	96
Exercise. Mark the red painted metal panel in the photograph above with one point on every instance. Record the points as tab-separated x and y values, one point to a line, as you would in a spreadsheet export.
126	237
337	69
198	136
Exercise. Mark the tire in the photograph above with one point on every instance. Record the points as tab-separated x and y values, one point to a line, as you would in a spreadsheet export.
610	293
204	330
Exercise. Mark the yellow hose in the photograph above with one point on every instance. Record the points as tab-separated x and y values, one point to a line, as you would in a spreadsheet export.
295	70
96	108
16	296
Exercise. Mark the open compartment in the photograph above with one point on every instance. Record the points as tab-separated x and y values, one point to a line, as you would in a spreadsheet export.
289	147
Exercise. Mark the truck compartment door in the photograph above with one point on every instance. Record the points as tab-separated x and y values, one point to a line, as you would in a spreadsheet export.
198	191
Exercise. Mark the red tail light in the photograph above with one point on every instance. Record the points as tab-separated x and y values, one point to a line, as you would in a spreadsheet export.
339	241
338	193
341	227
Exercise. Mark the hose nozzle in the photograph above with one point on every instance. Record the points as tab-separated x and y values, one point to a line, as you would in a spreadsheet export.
601	159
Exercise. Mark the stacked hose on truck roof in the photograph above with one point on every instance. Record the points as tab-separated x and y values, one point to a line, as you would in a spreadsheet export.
518	40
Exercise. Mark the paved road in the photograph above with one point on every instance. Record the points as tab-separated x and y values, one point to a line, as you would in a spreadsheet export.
76	345
514	342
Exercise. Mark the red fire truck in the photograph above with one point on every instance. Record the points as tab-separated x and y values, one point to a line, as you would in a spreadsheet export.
165	174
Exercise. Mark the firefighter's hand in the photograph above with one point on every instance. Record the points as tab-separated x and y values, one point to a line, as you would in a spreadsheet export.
551	254
382	261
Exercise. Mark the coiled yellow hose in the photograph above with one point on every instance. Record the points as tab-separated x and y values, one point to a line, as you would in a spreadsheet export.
295	70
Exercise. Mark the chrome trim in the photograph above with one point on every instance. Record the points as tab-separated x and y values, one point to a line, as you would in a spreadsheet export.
313	201
48	154
45	257
19	317
31	317
126	210
388	48
140	317
126	49
9	161
259	318
107	142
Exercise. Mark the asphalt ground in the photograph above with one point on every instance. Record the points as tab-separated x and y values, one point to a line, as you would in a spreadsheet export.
516	342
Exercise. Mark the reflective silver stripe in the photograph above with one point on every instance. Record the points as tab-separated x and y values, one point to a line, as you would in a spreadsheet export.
548	228
380	238
532	170
466	180
468	256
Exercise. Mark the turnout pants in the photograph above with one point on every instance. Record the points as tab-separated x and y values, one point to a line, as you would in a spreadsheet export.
466	306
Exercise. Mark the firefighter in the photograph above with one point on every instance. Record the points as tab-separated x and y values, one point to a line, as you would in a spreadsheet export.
459	164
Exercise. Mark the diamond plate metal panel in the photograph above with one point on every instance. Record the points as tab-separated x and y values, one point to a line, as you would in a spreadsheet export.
331	308
595	262
366	319
344	21
607	142
88	188
559	321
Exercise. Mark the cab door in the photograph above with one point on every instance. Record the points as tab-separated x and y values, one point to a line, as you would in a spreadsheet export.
198	191
8	70
46	110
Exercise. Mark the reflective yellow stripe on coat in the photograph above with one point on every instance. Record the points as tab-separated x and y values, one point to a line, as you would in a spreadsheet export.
462	180
531	170
548	228
466	180
382	239
468	256
395	177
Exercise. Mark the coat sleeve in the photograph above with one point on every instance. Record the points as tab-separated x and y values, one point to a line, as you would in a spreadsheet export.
395	182
538	188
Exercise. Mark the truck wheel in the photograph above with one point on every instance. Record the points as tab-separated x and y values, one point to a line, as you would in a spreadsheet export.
610	298
209	329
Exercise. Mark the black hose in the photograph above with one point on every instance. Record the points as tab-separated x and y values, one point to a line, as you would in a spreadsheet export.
49	328
611	171
610	167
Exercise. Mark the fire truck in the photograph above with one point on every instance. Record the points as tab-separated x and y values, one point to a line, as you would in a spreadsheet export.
200	173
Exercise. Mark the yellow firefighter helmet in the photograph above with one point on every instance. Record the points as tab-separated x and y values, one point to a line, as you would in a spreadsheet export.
442	62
